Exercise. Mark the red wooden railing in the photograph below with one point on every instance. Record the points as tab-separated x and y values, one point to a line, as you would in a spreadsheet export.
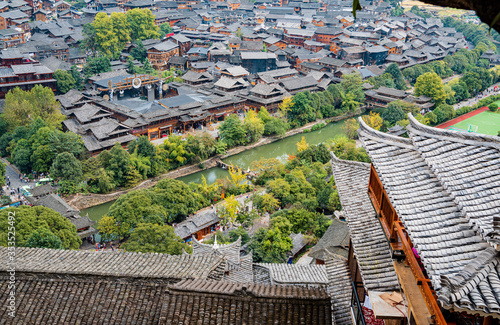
396	232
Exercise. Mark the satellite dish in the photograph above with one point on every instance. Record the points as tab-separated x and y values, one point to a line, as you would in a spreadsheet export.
136	83
105	97
164	87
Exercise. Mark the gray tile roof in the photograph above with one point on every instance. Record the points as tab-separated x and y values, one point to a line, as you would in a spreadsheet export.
431	181
335	240
296	274
339	288
196	223
367	236
119	264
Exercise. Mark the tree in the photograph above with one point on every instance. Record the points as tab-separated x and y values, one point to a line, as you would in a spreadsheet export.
286	105
253	126
22	107
106	40
77	77
350	128
280	189
302	144
229	210
154	238
2	174
108	227
271	245
275	125
429	84
373	120
67	167
493	107
267	203
232	131
65	81
147	68
236	177
393	114
301	112
117	163
96	65
139	51
44	238
397	11
165	29
237	233
395	72
142	24
444	112
59	142
29	219
121	28
21	155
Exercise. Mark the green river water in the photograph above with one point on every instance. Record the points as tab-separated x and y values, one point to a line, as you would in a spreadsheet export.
279	149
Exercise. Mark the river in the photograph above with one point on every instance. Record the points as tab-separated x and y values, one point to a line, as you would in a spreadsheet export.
279	149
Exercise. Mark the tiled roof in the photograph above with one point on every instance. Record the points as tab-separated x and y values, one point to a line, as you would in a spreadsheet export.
296	274
110	301
340	288
335	240
367	236
441	184
122	264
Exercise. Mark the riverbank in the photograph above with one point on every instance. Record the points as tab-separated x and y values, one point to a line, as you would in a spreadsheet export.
80	201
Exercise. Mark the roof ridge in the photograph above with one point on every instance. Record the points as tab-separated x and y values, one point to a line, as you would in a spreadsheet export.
371	133
461	284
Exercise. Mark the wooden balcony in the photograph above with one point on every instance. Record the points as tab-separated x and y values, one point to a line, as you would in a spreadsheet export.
400	240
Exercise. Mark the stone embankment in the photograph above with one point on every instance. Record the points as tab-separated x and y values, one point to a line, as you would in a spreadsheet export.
80	201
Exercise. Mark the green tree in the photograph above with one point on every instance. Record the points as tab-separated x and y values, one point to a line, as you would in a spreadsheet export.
117	163
393	114
108	227
139	51
60	142
444	112
88	42
22	107
65	81
253	125
276	126
77	77
237	233
350	128
96	65
106	39
232	131
301	112
67	167
271	245
154	238
121	27
2	174
142	24
493	107
429	84
29	219
395	72
21	155
44	238
165	29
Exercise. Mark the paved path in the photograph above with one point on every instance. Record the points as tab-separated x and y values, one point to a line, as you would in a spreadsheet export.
473	101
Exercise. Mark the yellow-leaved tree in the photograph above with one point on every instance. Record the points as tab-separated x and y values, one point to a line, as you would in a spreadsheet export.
236	177
229	210
286	105
302	145
373	120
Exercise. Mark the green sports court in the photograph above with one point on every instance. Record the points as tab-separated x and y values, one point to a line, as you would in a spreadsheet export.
485	123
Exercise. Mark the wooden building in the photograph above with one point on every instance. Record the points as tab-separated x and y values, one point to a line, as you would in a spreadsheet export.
160	53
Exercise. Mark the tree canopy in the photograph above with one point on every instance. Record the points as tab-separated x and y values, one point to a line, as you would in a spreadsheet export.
155	238
29	222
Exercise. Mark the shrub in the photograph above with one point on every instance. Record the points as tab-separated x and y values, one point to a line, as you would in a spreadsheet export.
318	126
493	107
464	110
